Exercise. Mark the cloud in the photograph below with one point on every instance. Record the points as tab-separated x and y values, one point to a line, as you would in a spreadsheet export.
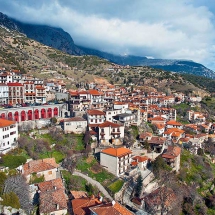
161	28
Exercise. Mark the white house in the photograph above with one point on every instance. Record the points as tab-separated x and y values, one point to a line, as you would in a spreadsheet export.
120	105
76	125
126	118
174	124
3	94
116	160
111	133
8	135
95	117
109	114
140	161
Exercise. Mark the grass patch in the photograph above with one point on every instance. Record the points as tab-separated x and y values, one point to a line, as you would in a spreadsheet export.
13	161
80	142
74	182
55	154
102	176
116	186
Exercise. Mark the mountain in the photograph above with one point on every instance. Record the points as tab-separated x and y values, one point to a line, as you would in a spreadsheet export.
61	40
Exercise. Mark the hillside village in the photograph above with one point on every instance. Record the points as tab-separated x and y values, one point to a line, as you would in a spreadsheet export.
99	147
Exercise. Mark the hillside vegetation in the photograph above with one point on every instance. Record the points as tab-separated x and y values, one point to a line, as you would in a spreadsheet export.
19	52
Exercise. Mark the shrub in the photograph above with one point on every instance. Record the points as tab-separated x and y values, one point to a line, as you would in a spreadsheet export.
13	161
10	199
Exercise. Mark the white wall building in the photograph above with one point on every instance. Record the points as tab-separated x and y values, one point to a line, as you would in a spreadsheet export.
8	135
111	133
76	125
116	160
3	94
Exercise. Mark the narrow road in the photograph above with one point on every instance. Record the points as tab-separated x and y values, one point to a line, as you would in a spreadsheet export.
95	183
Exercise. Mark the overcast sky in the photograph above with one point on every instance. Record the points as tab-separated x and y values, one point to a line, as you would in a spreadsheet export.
181	29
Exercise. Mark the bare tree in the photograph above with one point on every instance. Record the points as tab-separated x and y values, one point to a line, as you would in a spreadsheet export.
69	163
18	185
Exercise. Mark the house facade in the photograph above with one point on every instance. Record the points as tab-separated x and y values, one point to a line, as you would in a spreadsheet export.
3	94
75	125
172	157
116	160
8	135
110	133
44	167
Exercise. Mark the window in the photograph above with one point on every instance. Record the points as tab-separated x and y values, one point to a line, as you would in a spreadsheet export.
49	172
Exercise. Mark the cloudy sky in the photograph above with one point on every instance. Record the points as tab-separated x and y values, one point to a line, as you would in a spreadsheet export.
181	29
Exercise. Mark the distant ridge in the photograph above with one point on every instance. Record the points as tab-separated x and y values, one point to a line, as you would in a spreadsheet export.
59	39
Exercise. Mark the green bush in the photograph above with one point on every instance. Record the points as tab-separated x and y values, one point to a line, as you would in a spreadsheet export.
116	186
10	199
13	161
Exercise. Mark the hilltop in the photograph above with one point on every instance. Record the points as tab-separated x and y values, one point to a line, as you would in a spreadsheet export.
61	40
20	52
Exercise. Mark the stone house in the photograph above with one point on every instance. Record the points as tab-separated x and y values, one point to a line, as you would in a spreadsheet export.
44	167
172	157
52	196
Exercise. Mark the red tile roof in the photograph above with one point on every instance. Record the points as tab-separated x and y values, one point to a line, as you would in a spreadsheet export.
95	92
95	112
74	119
117	152
145	135
81	206
52	196
113	208
172	152
14	85
140	158
173	122
39	166
109	124
5	123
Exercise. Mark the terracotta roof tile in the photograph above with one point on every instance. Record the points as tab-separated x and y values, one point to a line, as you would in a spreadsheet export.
117	152
52	196
39	165
95	112
172	152
5	123
173	122
109	124
111	209
81	206
140	158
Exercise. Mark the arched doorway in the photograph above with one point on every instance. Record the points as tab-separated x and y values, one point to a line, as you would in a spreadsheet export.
3	115
36	114
23	116
30	117
43	113
49	113
16	116
55	111
10	116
